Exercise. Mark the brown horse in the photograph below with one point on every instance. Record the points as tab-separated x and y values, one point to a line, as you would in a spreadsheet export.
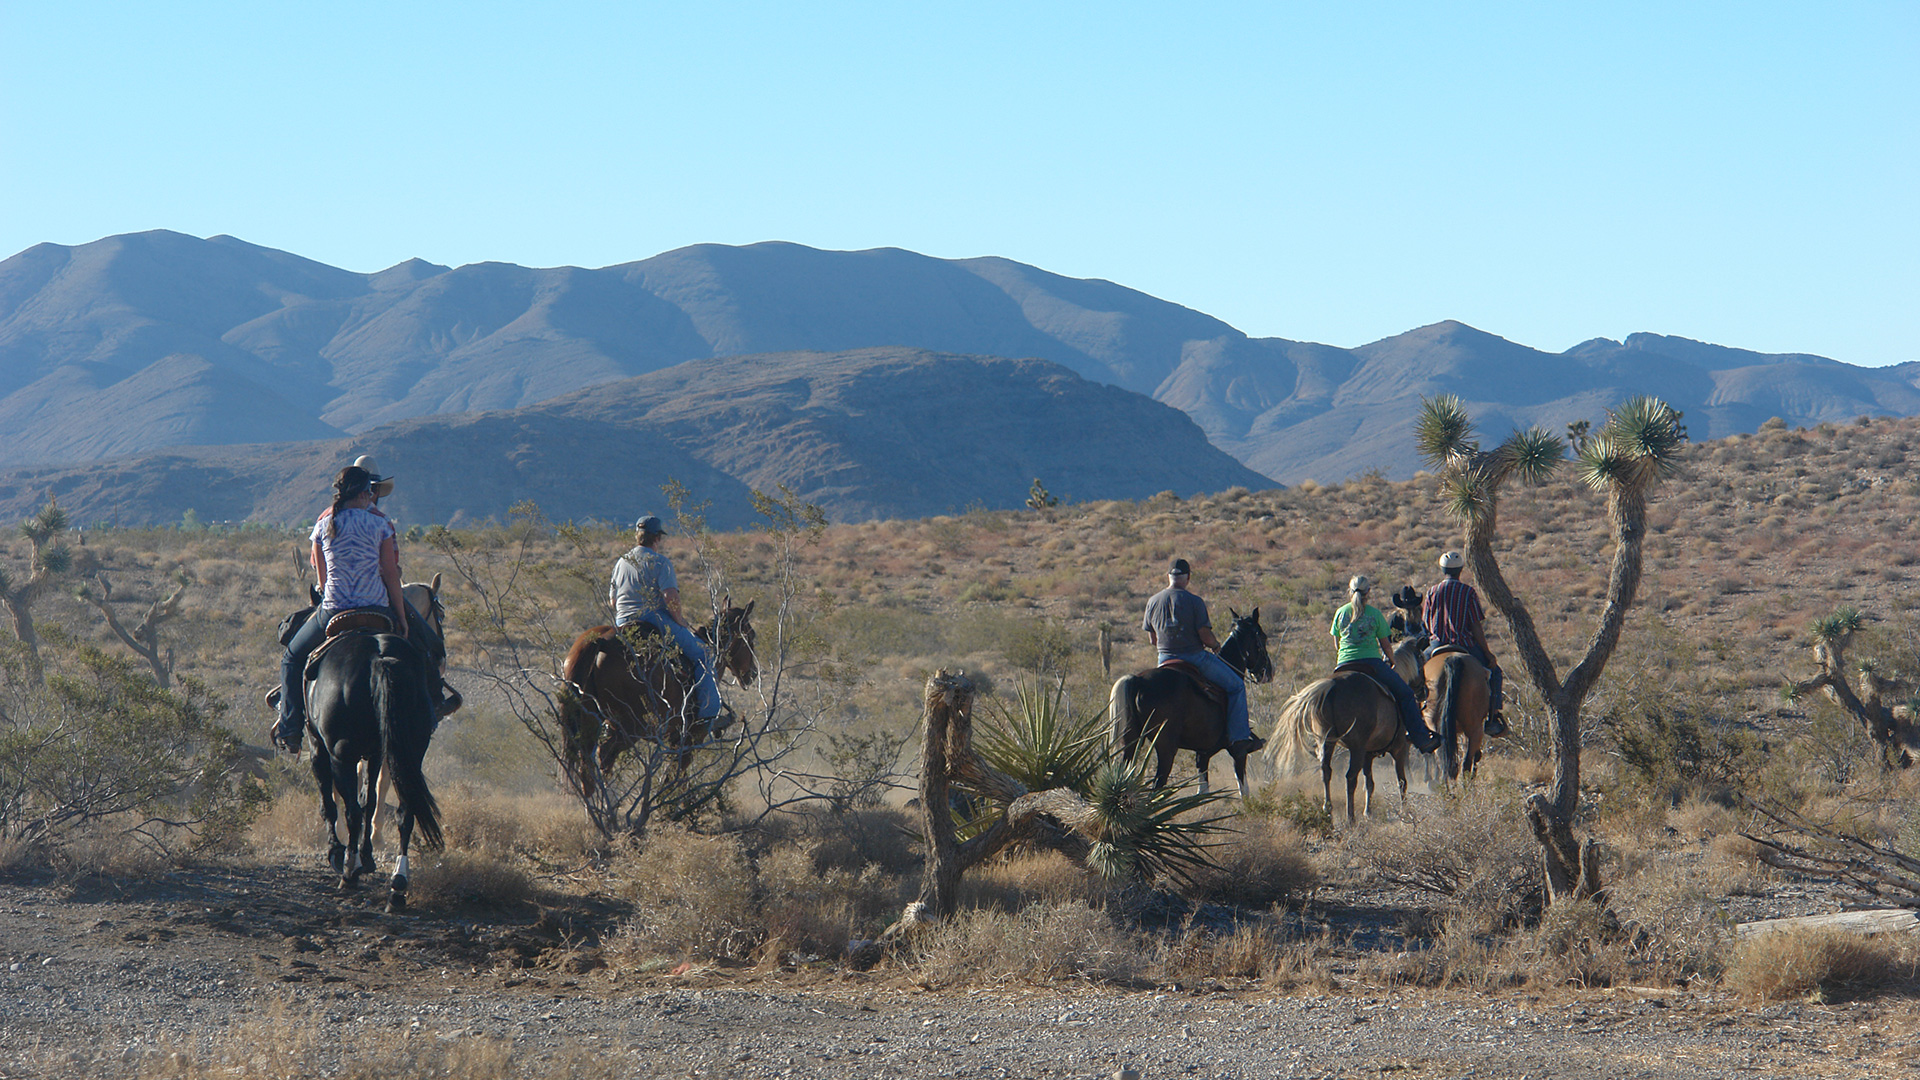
618	696
1164	705
1351	710
1461	698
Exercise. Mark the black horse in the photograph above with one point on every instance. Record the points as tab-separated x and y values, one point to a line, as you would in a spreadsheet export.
367	701
1179	713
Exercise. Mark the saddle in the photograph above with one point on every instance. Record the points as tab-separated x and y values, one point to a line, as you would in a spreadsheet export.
1358	667
1206	687
1442	650
350	621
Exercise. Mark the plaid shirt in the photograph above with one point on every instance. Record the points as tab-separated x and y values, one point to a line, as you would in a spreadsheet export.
1452	610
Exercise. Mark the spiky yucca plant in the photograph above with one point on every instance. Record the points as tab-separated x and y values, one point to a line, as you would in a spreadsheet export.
1038	741
1141	832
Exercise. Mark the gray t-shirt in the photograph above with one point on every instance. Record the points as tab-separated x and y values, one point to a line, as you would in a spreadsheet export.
640	578
1176	618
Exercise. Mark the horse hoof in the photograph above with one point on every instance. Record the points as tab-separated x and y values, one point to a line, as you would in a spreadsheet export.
397	902
337	857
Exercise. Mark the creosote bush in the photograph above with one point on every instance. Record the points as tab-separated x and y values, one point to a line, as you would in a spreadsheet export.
1826	963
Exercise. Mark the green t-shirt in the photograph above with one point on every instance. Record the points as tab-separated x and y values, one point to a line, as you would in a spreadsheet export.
1359	638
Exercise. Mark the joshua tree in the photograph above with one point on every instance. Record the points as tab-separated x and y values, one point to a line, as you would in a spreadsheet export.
1039	498
50	559
1636	449
144	638
1884	724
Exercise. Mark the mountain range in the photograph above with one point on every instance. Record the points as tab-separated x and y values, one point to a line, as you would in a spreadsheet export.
155	349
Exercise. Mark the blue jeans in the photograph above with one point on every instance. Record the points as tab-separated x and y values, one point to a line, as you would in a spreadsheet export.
1221	674
706	692
1410	717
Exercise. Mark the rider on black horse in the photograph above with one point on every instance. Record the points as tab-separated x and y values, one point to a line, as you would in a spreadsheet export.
646	591
356	555
1177	624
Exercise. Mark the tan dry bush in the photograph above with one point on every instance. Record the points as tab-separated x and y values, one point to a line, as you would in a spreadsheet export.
1703	819
542	825
1253	951
291	824
1015	882
819	910
1475	851
847	840
1260	862
693	898
456	878
1039	944
1459	957
107	850
1801	963
1675	926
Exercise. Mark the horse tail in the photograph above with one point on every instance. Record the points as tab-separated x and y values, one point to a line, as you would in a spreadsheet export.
1299	719
400	700
1446	692
1126	721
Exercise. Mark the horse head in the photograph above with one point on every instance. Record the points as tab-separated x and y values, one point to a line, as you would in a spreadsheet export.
425	599
1246	646
733	641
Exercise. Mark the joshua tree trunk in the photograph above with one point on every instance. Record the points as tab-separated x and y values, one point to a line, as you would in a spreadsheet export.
144	638
946	757
1895	734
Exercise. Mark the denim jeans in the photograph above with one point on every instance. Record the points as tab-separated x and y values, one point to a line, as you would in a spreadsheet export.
1410	717
706	691
1221	674
293	702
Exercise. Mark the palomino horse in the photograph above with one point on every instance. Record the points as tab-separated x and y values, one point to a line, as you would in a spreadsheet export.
1180	716
1461	697
618	697
1354	711
368	704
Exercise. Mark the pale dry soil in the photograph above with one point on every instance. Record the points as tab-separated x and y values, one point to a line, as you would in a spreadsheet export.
96	975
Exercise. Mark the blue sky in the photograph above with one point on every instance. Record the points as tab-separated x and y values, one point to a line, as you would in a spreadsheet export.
1741	173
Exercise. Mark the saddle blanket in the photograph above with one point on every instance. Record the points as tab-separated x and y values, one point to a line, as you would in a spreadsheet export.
1207	689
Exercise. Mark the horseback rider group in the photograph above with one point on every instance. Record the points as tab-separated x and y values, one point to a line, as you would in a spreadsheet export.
1176	623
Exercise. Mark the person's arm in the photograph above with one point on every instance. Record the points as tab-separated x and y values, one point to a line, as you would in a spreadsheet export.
390	576
670	598
1153	639
319	560
1382	632
1207	639
1480	639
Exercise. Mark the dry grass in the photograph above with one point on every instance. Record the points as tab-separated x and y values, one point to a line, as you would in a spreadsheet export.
694	898
470	879
1259	863
1041	943
1822	964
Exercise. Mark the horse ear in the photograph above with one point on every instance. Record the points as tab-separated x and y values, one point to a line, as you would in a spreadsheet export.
434	586
1232	614
1256	615
749	608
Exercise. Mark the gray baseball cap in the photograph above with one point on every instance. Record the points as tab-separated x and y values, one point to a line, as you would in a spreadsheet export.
649	524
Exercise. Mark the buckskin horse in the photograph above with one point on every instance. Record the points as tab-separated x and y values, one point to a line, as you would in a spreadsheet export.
1348	709
1184	712
617	696
368	704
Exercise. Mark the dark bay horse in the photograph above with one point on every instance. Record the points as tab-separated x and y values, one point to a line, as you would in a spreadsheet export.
617	697
1348	709
367	703
1166	703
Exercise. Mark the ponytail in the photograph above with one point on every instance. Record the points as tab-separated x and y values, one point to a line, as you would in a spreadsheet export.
352	482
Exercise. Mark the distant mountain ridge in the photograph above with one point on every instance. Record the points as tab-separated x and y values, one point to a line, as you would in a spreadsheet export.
138	343
870	433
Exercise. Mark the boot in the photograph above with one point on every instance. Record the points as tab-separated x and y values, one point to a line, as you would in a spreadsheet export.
289	731
1243	747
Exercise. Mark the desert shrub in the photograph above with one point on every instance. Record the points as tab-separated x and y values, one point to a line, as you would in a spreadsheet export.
1250	951
843	840
818	910
1671	750
1257	863
1799	963
99	746
1673	924
1039	741
1038	944
1023	879
693	895
1476	852
455	878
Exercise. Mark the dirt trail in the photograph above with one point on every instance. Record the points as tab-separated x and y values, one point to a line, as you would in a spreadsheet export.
97	976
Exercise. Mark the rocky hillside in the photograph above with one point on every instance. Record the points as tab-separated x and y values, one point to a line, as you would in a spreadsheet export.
866	434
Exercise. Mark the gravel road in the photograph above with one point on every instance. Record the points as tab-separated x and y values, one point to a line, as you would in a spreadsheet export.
93	979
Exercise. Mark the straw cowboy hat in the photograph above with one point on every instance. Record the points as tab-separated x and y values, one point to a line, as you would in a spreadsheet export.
382	485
